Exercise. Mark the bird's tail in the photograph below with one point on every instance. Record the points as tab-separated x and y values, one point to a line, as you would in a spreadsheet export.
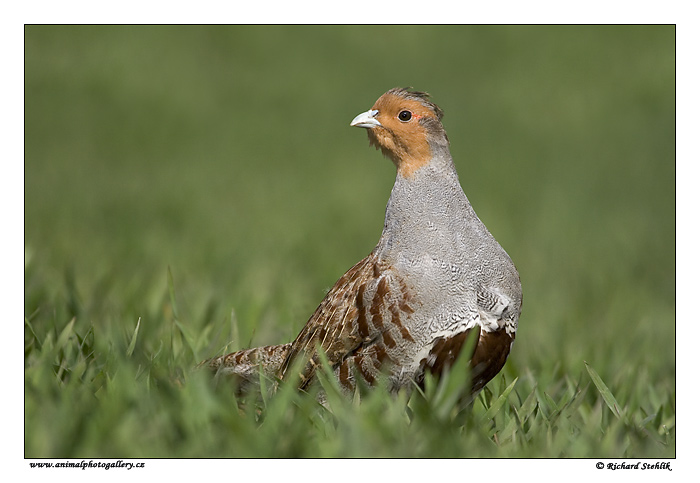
246	365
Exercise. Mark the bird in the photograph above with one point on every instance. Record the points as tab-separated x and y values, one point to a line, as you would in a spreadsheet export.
436	276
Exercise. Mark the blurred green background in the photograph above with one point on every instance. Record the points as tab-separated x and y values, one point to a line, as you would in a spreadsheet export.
225	153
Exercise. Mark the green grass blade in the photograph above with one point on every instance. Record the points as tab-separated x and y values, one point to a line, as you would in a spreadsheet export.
67	331
499	402
132	344
171	292
604	391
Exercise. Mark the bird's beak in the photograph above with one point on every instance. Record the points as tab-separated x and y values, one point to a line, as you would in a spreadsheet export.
366	120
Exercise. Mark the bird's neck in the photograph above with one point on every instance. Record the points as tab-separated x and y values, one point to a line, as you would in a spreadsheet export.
409	158
426	211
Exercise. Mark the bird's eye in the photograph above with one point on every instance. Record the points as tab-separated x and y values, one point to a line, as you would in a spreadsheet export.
405	116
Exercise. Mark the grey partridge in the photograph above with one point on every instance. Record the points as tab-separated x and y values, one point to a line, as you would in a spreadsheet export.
435	275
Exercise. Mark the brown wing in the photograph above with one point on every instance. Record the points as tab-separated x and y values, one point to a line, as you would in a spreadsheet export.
488	355
355	314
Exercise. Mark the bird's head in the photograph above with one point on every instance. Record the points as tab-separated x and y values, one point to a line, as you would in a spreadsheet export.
406	126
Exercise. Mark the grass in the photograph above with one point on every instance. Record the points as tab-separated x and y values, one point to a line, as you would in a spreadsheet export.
193	190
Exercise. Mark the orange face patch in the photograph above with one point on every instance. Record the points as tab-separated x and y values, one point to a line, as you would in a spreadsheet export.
402	136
